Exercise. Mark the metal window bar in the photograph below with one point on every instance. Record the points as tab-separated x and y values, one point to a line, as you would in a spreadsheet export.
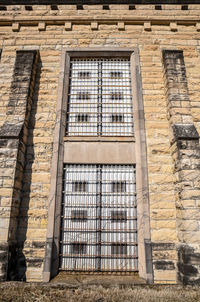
100	89
99	226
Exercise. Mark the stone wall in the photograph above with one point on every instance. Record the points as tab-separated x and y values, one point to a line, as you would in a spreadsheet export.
13	139
151	30
186	154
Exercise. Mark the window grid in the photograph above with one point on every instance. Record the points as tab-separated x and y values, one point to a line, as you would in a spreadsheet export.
100	91
99	227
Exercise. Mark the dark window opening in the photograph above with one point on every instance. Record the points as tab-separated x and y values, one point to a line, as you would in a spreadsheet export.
79	6
118	186
78	248
106	7
116	75
54	7
83	96
2	7
119	249
184	7
79	215
82	118
80	186
116	96
132	7
28	7
118	216
84	75
158	7
117	118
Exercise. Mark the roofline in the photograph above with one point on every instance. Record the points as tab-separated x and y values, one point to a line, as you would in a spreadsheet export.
93	2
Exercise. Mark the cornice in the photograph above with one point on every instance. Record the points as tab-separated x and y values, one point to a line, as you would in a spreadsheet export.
86	19
90	2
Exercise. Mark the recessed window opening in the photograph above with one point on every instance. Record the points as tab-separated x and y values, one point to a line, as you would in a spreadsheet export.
80	186
118	186
184	7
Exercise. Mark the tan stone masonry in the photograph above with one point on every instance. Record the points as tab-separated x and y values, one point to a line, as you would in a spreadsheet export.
149	30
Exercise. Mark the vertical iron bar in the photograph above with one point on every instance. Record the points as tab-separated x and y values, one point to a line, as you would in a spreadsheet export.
98	171
100	97
98	100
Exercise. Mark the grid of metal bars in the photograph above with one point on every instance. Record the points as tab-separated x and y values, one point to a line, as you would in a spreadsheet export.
100	98
99	224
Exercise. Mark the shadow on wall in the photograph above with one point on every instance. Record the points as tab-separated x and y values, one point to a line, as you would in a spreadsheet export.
18	262
188	265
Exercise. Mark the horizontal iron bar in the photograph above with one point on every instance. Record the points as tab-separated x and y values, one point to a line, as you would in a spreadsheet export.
102	230
97	256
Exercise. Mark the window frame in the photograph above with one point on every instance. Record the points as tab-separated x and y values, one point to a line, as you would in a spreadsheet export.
51	261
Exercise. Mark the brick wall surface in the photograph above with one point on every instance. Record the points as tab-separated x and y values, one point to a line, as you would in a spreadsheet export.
49	31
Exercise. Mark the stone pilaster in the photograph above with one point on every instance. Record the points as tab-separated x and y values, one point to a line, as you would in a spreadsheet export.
185	151
13	137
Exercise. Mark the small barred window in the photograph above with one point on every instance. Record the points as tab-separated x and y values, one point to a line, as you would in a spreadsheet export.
116	75
80	186
79	215
118	249
118	186
118	216
82	118
117	118
84	75
78	248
